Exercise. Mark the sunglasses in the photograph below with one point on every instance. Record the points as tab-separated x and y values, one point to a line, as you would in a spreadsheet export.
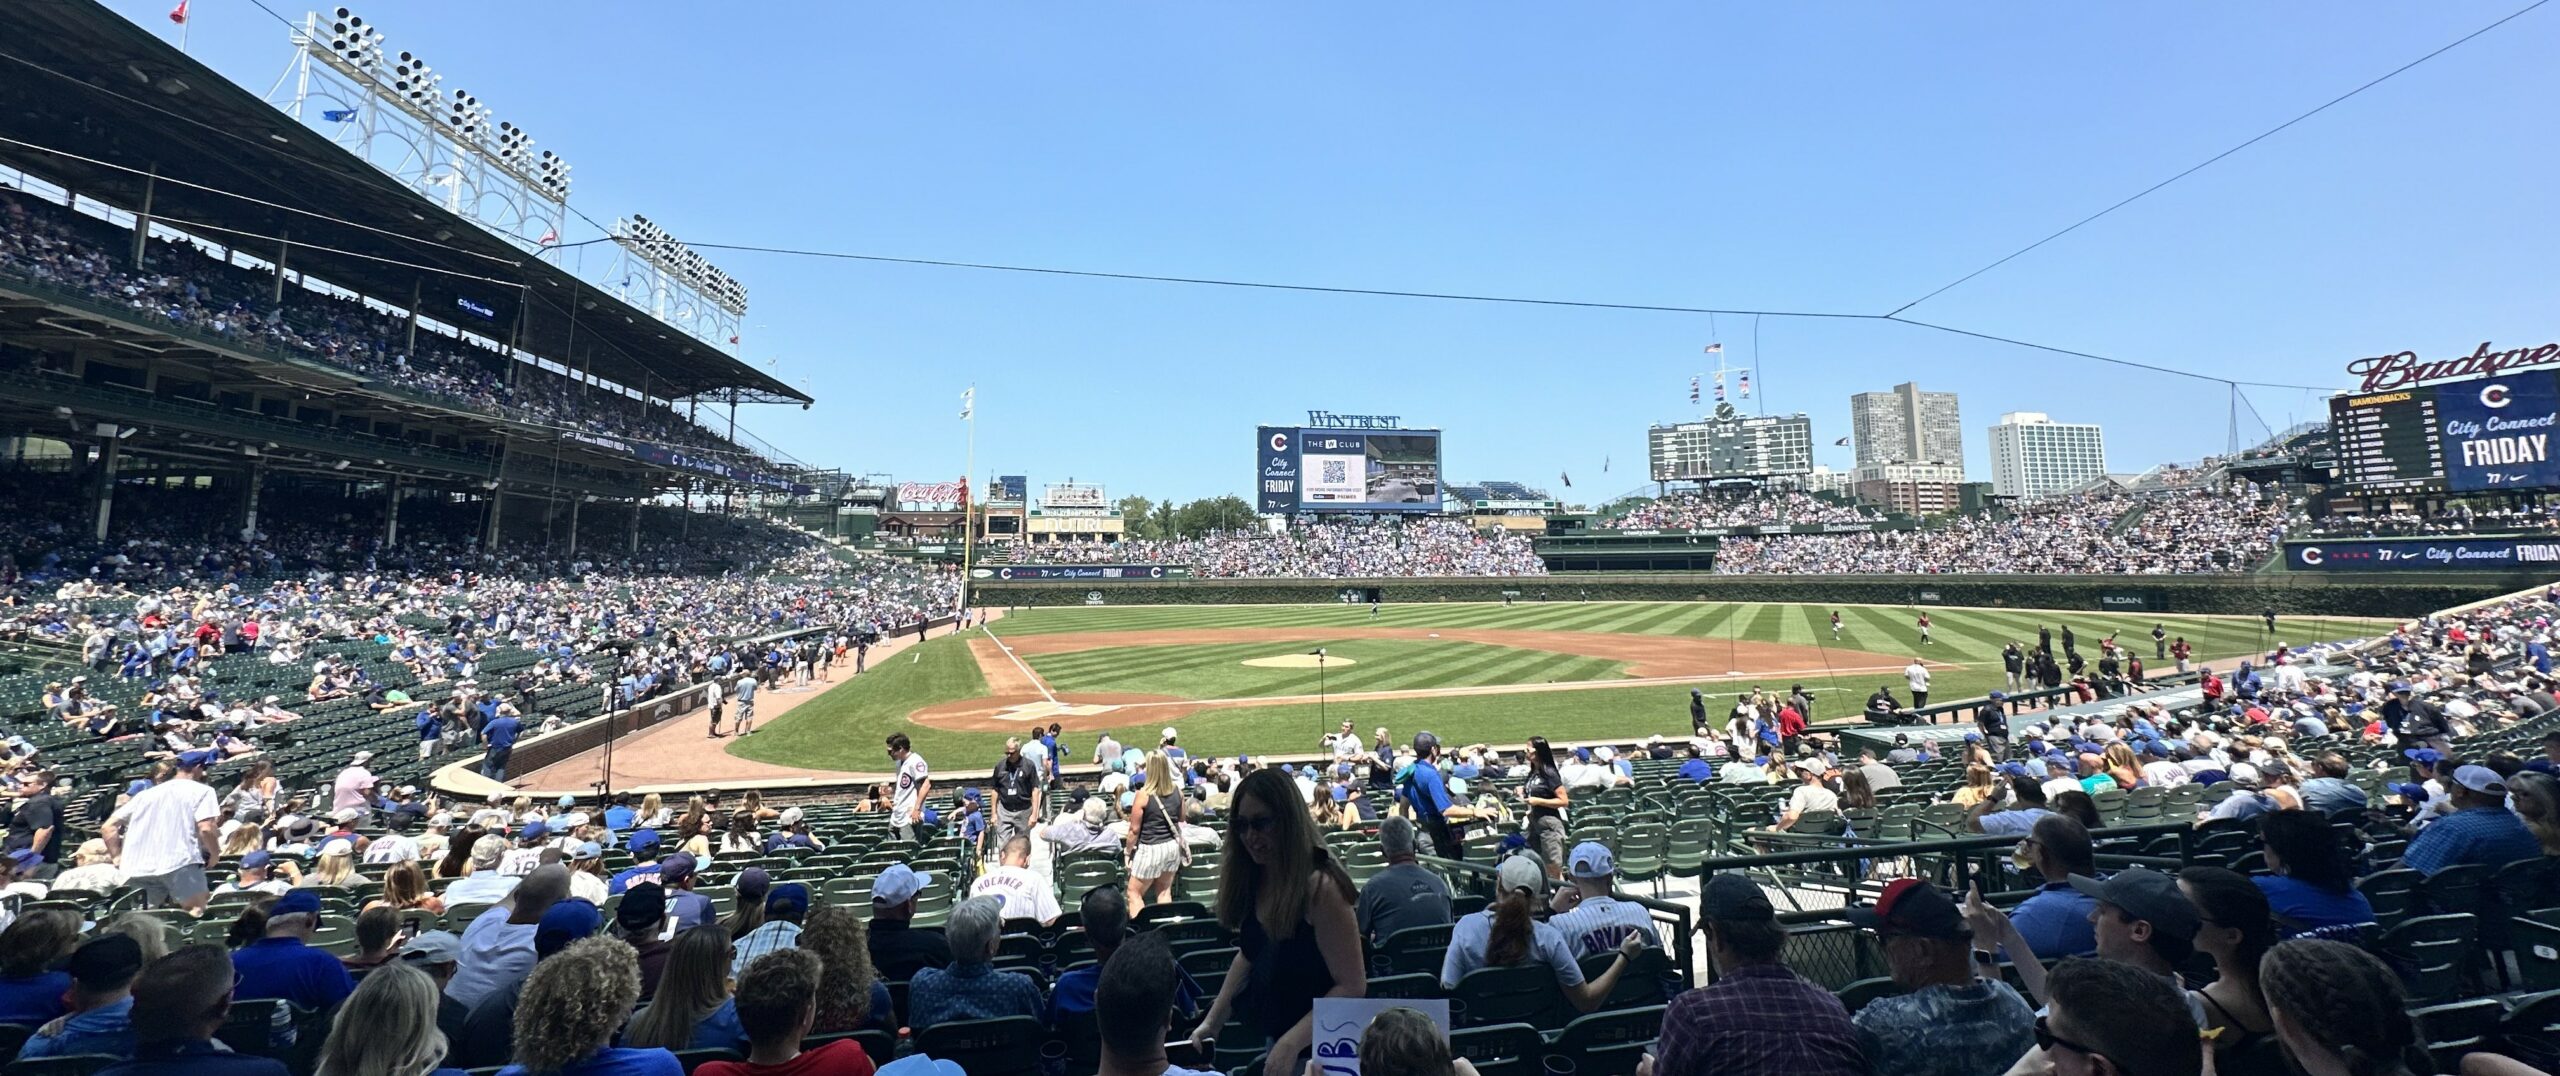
1255	824
2047	1040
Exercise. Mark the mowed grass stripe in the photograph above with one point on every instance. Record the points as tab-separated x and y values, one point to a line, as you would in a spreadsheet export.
1085	670
1632	620
1711	623
1764	623
1375	674
1217	671
1475	670
1662	621
1563	668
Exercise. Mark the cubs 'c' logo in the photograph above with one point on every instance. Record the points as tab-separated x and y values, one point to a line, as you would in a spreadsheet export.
2495	396
1279	442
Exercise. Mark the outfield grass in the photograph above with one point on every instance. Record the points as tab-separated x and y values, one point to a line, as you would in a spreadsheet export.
843	728
1218	671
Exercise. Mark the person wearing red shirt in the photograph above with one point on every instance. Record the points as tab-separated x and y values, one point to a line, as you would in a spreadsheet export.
1790	726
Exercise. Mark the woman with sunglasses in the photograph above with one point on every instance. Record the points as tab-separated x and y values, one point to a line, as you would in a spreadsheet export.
1292	905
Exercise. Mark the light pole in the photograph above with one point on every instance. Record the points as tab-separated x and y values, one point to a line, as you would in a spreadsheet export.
1320	718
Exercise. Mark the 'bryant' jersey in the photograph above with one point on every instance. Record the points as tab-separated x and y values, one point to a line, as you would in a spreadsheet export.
1600	924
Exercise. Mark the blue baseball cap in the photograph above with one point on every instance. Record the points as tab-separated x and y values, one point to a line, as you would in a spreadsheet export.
897	883
1341	793
534	830
1973	737
2427	755
565	922
1998	695
970	793
199	758
792	897
643	838
257	859
1591	859
296	902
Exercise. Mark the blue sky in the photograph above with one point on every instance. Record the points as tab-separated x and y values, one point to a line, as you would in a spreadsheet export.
1802	157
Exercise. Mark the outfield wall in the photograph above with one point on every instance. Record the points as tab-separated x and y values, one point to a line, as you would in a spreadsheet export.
2248	595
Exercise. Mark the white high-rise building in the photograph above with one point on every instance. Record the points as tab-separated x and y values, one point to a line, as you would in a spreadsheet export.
2033	456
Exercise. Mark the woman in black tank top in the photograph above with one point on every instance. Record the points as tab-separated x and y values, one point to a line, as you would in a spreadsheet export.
2238	930
1291	906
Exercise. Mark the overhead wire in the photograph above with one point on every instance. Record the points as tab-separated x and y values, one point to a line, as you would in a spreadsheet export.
177	222
251	199
1264	285
2209	161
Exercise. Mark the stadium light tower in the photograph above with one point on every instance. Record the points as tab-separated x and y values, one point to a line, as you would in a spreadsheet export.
658	273
392	110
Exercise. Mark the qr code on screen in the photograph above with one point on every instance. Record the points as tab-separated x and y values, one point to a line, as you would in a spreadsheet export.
1337	471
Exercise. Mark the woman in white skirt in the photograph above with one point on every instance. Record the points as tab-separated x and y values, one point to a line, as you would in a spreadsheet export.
1155	849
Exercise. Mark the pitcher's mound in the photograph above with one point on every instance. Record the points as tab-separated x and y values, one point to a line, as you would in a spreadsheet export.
1296	661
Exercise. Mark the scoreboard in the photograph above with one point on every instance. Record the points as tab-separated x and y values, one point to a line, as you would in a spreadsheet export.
2388	442
2487	434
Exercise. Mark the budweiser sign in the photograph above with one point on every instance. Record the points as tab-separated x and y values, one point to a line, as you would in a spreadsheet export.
2405	369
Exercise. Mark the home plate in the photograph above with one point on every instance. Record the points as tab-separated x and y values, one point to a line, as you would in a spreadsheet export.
1045	710
1296	661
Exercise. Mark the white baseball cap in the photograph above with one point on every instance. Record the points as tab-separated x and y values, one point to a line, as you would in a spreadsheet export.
1168	734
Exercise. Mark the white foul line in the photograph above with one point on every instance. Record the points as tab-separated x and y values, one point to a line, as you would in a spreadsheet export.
1035	679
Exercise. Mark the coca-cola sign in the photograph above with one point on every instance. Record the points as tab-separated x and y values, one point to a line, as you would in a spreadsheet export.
2405	369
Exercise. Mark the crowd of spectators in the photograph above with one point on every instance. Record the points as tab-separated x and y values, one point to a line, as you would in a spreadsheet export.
1392	546
2229	530
2458	519
576	969
180	284
1694	511
150	612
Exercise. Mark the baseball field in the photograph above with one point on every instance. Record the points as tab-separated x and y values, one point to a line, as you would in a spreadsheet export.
1246	679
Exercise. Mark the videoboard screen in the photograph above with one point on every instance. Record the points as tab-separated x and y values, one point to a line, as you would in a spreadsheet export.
2487	434
1299	469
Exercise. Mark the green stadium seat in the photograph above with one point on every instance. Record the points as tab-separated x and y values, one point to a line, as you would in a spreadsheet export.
1609	1043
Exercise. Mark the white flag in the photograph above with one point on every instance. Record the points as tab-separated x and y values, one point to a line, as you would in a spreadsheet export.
968	401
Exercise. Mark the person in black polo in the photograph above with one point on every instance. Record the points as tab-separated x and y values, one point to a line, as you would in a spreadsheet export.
1017	781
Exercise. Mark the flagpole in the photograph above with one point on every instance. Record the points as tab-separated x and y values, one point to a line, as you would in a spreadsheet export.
968	484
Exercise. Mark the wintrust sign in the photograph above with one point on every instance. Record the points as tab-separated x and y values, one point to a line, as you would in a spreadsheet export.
2405	369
